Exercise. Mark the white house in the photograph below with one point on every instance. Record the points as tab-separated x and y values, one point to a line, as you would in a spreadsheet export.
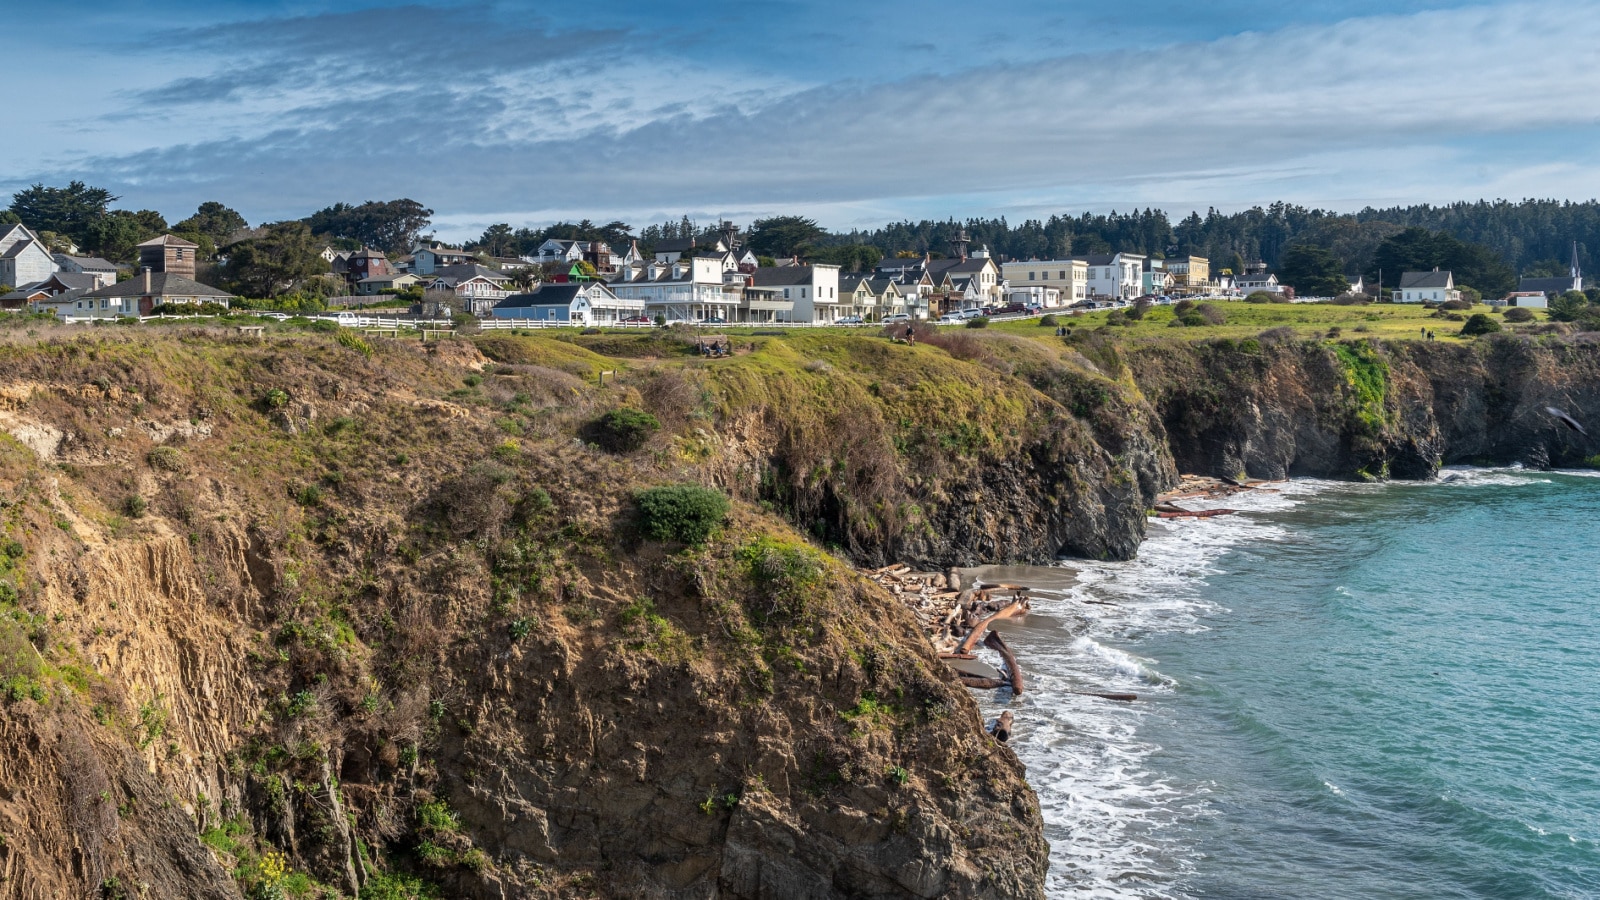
554	250
813	290
1427	287
24	258
1119	276
569	303
689	290
1069	277
470	280
1043	295
1528	299
1250	282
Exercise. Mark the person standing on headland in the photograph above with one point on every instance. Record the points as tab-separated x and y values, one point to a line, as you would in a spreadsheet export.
911	334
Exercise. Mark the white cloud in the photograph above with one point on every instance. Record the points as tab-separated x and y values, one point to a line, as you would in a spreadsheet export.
1379	109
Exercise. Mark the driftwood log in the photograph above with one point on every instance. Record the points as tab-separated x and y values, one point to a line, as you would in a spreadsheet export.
995	642
1014	608
1001	729
1123	698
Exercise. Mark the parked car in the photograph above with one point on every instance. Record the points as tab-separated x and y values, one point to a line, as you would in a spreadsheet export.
638	320
970	313
896	317
1011	309
848	320
952	318
713	320
986	311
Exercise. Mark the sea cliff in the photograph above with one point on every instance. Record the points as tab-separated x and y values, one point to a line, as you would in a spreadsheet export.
320	614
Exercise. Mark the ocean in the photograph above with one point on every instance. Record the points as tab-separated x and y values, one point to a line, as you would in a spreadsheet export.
1346	691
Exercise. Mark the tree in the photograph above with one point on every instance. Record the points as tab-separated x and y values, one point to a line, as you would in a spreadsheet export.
117	234
1312	271
69	210
1421	250
783	235
212	221
1479	323
391	226
497	240
849	258
266	266
1568	307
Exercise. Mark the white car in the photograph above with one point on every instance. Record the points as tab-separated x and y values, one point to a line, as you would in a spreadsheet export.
970	313
896	317
954	318
848	320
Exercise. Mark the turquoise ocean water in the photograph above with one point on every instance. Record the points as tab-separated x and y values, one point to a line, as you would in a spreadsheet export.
1348	691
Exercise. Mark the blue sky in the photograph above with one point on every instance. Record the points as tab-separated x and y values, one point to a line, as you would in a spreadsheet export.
854	113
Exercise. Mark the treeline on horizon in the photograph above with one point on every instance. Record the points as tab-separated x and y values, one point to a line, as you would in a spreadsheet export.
1488	243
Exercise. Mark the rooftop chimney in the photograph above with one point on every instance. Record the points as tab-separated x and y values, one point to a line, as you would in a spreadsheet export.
144	273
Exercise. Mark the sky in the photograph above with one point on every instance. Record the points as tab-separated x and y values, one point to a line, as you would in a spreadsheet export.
854	113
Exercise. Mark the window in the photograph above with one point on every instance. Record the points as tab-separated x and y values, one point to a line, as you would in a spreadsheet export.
1063	276
1030	276
785	293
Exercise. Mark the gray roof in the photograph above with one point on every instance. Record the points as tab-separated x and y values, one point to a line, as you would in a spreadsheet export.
466	271
87	263
546	294
162	284
781	276
1100	259
16	249
168	240
72	281
1557	285
675	245
849	283
1434	279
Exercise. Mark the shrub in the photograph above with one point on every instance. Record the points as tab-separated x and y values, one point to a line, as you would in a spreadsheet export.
276	398
1567	307
625	429
1456	304
1260	297
135	506
978	322
1519	314
681	512
1117	317
1212	314
1480	324
1139	308
165	459
1048	319
347	338
1182	306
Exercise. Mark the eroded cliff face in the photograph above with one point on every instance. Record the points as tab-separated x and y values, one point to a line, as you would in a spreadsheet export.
316	619
1370	409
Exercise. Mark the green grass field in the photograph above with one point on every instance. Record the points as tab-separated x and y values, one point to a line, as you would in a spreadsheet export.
1392	321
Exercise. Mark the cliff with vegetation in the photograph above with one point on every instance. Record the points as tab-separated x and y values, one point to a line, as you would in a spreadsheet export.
322	614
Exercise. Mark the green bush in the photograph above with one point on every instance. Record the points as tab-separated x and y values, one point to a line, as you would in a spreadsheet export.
625	429
681	512
1567	307
166	459
1519	314
1261	297
1480	324
978	322
1048	319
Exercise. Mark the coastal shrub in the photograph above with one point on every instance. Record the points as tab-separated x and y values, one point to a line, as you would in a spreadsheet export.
1048	320
680	512
1456	304
1367	374
1480	324
978	322
1212	313
625	429
1348	299
1260	297
1139	308
1519	314
349	339
166	459
1182	306
1117	317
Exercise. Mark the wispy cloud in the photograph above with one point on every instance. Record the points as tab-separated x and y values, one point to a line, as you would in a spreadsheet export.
469	114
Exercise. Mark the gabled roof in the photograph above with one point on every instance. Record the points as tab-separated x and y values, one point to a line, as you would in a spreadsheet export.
162	284
87	263
168	240
71	281
1434	279
551	293
20	247
364	253
1557	285
782	276
466	272
849	283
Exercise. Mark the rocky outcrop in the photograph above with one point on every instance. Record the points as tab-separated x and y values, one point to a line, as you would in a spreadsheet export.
1369	408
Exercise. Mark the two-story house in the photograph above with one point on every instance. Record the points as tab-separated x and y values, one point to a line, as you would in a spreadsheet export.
813	289
103	271
1069	278
690	289
24	259
1427	287
428	260
1115	276
568	303
1190	274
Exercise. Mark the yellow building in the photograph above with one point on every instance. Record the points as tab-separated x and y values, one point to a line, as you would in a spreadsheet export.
1069	276
1190	274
